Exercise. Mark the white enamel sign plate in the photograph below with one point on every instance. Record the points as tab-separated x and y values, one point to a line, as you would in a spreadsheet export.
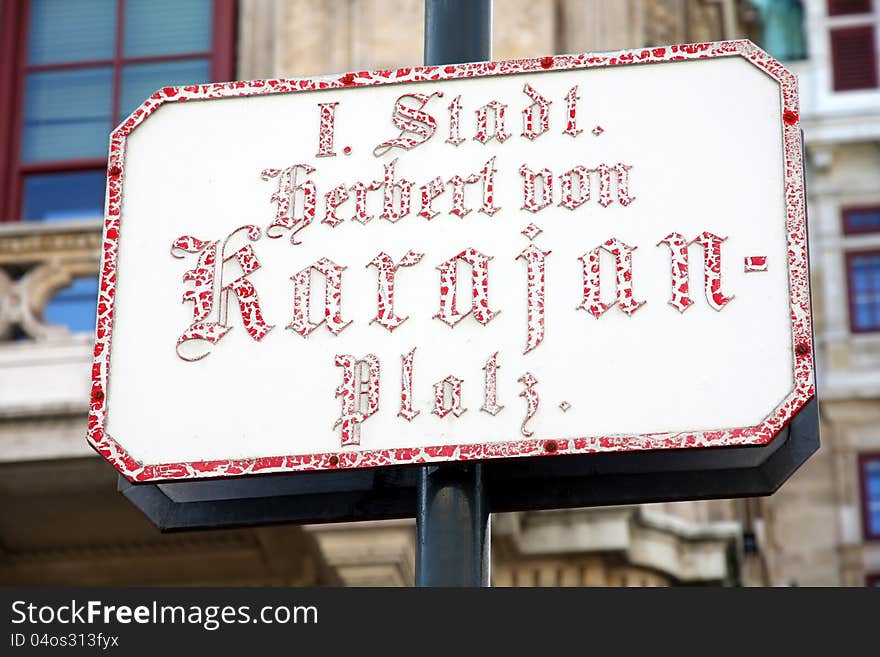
549	256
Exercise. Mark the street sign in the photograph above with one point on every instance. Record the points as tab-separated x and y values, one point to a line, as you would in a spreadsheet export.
552	256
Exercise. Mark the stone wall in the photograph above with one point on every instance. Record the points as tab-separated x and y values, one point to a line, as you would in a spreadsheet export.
311	37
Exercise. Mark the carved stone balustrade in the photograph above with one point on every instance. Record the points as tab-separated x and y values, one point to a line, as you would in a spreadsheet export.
36	261
44	368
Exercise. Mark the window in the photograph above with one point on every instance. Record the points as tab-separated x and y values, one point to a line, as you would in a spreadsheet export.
872	581
861	220
69	73
863	266
782	28
863	279
854	58
85	66
869	473
852	44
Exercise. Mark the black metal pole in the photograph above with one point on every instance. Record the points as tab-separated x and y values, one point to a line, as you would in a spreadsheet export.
453	510
458	31
453	526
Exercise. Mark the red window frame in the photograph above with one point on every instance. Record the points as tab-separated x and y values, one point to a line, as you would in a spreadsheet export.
14	28
850	287
863	491
853	209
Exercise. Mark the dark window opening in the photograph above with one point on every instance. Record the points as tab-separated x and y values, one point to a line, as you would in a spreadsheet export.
854	58
842	7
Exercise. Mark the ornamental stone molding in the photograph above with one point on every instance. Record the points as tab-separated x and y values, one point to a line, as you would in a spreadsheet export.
631	545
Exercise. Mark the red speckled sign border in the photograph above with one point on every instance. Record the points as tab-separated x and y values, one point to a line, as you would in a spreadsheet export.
802	341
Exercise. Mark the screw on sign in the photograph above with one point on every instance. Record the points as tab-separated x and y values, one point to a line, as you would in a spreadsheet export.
363	260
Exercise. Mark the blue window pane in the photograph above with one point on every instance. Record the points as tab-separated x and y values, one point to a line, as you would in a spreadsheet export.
165	27
874	487
67	31
863	220
140	81
872	483
864	276
860	281
75	306
59	196
67	114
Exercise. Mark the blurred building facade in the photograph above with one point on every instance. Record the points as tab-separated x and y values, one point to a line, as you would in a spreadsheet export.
70	70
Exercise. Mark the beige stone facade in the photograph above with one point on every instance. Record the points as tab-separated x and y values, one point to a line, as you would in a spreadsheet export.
311	37
61	521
